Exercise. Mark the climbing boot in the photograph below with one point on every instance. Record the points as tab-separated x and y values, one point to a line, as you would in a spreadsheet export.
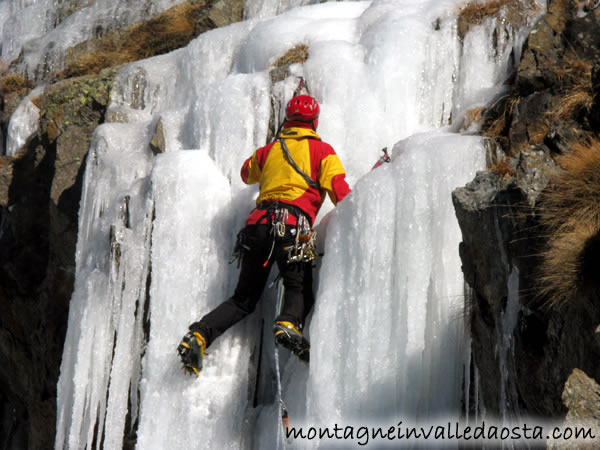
289	336
191	350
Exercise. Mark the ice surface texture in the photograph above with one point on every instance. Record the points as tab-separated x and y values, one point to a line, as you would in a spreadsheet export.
387	330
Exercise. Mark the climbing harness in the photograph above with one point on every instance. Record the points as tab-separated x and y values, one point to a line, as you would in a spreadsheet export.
304	249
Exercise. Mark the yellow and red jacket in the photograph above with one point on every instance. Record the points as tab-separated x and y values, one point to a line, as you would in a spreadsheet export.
279	181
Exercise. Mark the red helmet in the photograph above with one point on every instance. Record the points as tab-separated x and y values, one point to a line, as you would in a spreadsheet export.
302	107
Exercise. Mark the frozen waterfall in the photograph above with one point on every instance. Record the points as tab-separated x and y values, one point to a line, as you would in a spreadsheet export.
155	232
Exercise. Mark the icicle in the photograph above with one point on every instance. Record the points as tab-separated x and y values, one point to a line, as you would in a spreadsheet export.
390	293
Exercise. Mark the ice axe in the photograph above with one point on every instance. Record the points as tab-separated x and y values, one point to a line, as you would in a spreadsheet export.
385	158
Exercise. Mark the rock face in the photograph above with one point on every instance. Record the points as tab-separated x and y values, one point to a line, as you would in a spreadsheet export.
524	352
582	397
39	205
165	32
40	192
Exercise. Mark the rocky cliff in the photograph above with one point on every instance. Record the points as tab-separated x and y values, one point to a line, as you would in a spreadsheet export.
530	236
531	352
40	190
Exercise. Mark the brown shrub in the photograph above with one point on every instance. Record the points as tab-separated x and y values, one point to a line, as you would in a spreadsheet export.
576	88
14	82
498	116
168	31
572	102
573	95
502	167
297	54
476	11
471	116
573	69
37	101
538	131
571	216
6	160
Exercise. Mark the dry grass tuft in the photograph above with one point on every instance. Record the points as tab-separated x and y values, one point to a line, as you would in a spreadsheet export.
573	96
14	82
297	54
574	101
475	12
6	160
538	131
571	215
472	116
497	123
503	168
168	31
573	69
577	91
37	101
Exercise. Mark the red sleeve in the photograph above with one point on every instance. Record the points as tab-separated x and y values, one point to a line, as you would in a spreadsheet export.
332	176
340	187
244	172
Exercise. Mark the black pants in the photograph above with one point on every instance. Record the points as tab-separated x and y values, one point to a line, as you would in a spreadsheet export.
297	280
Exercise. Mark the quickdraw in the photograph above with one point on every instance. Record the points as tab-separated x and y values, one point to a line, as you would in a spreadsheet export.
279	218
304	248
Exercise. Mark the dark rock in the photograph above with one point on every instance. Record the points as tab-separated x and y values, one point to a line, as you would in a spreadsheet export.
533	169
544	48
583	34
493	152
225	12
157	143
501	238
554	99
581	396
526	125
5	177
39	204
525	365
167	31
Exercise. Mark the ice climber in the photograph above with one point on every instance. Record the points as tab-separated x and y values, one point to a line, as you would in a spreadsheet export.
294	172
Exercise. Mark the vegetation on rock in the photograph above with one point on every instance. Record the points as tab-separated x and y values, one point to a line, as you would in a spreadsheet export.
571	216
